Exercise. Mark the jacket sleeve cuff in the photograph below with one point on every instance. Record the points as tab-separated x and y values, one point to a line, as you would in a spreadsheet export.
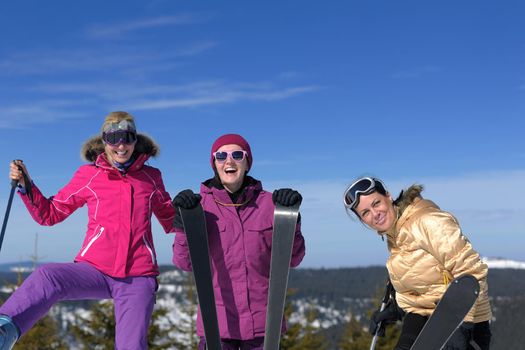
21	189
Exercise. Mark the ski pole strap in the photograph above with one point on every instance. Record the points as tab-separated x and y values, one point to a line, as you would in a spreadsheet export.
28	185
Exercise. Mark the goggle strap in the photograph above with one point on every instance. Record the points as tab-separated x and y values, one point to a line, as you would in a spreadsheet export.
355	193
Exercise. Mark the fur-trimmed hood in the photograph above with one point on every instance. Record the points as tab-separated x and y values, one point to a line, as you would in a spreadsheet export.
407	197
94	146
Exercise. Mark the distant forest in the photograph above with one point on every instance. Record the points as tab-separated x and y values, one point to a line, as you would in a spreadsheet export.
356	289
334	286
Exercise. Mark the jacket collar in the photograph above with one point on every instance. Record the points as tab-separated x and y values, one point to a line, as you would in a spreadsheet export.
416	208
220	195
103	162
407	204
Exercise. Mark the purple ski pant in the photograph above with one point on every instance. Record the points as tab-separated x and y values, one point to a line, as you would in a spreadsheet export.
133	298
234	344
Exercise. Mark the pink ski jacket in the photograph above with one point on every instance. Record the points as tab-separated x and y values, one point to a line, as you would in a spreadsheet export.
240	239
118	238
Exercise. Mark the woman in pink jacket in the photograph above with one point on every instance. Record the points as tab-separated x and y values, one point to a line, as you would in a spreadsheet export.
117	259
239	219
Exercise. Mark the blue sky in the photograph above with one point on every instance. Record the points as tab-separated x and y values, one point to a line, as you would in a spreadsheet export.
325	91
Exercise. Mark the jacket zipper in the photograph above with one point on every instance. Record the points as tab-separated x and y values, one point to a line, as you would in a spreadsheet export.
150	250
91	241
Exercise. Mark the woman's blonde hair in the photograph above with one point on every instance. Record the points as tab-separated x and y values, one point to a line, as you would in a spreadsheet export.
117	117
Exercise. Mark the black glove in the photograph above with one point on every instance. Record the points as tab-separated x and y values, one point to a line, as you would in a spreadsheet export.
389	315
460	339
186	199
286	197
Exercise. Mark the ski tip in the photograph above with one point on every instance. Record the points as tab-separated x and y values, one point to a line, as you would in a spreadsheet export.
469	280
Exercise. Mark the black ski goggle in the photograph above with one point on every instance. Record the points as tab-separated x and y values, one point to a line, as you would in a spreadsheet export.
121	136
237	156
363	186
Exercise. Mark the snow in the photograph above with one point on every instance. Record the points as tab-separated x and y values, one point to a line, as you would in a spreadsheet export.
500	263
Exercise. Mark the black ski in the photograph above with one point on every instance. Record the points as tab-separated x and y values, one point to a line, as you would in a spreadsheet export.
285	221
197	236
457	301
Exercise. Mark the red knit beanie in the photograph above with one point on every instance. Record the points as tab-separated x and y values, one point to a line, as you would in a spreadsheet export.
231	139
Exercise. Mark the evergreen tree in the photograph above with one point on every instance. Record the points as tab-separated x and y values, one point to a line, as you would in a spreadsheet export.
97	331
185	327
357	337
293	331
354	336
312	337
391	337
302	337
44	335
161	337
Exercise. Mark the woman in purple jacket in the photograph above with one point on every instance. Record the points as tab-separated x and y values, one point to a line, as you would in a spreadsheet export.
239	219
117	259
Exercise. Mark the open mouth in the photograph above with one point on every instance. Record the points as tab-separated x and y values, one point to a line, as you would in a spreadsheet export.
120	155
230	170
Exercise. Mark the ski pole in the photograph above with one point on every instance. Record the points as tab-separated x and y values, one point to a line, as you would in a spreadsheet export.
388	290
7	210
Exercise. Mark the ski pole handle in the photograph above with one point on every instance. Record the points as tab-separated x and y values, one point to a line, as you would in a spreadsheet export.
15	182
27	181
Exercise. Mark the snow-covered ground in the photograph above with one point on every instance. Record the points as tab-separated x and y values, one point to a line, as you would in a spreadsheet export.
500	263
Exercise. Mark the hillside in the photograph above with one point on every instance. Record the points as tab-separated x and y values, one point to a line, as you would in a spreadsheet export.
335	294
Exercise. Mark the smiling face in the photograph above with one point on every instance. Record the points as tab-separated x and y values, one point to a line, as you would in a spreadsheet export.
120	153
230	171
376	211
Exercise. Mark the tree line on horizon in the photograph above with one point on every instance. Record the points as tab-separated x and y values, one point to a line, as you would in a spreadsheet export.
97	329
313	286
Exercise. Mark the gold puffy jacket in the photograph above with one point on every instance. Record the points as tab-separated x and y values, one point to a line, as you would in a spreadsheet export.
427	250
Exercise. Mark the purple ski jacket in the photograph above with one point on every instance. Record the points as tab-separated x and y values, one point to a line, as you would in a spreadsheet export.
118	239
240	239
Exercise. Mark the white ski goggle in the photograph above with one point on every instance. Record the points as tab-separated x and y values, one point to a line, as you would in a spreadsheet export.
362	186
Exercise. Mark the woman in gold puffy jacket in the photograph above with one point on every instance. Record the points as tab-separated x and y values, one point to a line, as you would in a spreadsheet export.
427	250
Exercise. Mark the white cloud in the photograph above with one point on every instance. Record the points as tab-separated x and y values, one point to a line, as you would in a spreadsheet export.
108	95
24	115
114	59
114	31
226	94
